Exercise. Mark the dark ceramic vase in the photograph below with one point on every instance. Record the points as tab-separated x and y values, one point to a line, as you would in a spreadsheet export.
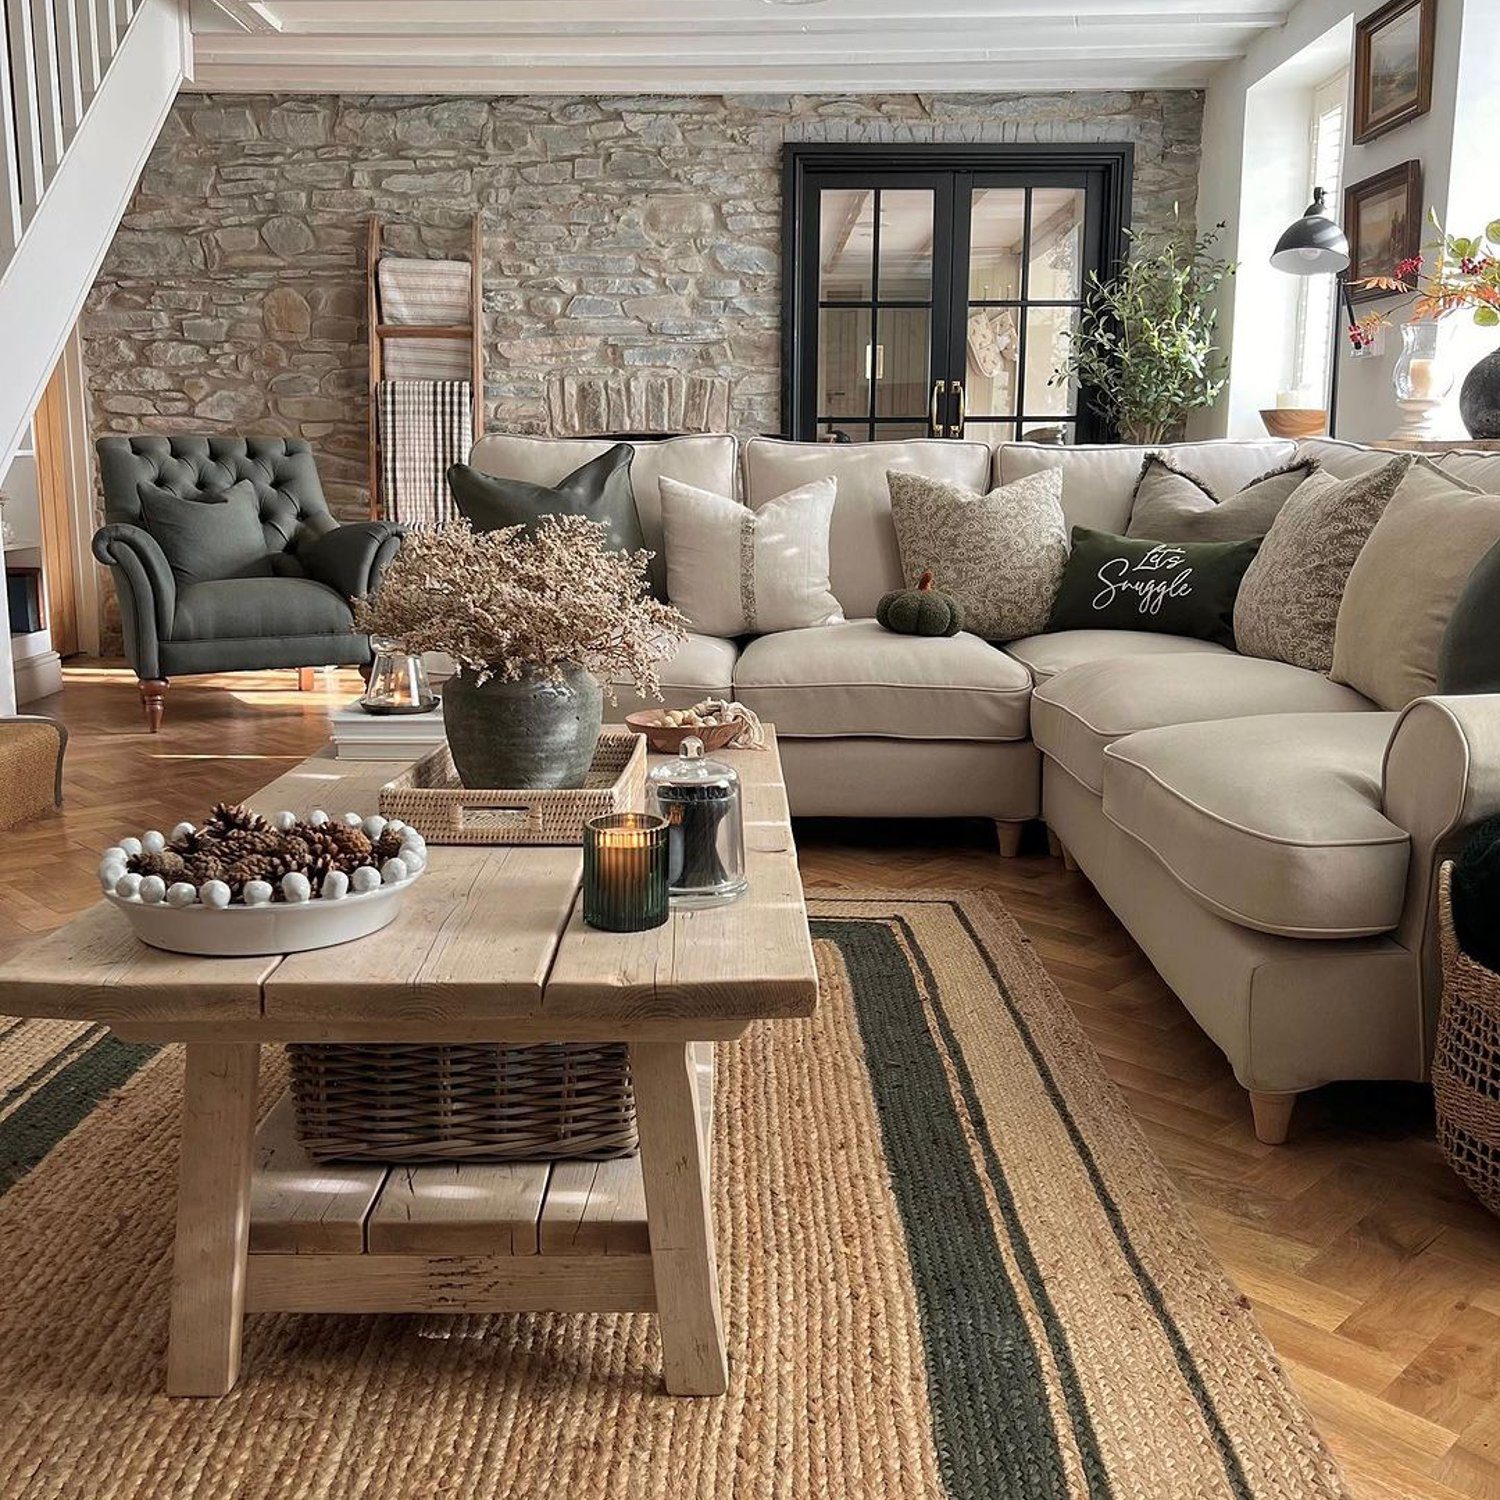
529	733
1479	398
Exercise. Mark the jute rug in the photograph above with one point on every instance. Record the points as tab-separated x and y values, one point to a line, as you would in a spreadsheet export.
952	1269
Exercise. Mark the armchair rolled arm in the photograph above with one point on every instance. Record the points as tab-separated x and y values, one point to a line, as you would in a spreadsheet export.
147	590
351	558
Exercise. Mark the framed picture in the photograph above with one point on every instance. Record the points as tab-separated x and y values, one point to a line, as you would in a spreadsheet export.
1383	223
1393	66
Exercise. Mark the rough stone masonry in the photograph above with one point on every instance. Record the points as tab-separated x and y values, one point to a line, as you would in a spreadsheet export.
621	234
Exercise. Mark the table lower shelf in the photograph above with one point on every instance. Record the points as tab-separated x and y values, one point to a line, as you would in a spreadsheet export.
527	1236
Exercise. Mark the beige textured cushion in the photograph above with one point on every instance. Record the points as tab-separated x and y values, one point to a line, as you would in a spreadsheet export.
1076	714
703	667
736	571
863	561
1057	650
1289	599
708	460
1099	478
1174	505
859	679
1000	555
1405	582
1274	823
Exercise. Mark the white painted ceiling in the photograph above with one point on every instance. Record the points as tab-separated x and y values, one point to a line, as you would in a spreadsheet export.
720	46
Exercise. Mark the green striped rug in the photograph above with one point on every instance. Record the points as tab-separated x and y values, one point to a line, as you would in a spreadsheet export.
952	1269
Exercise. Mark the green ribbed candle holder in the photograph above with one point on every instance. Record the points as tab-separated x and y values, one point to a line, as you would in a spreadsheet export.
625	872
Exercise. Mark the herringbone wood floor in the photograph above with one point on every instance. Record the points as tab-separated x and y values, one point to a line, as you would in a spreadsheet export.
1375	1275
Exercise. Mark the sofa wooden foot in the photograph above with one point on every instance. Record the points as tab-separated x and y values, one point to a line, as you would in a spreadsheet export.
307	679
153	692
1010	838
1054	845
1273	1116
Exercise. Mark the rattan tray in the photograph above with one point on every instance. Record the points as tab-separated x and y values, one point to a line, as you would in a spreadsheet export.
430	797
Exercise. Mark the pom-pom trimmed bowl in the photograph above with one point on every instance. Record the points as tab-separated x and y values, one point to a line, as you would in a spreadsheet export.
243	931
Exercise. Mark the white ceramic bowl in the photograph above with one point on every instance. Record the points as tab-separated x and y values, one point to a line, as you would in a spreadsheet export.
281	927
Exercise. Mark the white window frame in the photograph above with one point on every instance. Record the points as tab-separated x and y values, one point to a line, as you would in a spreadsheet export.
1313	343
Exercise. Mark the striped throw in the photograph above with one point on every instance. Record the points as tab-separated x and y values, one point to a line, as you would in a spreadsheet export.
430	292
423	426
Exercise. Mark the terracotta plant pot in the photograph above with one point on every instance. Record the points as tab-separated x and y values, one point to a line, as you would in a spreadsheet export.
530	733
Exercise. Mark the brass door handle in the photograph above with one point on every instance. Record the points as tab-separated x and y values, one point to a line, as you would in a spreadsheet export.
961	412
938	387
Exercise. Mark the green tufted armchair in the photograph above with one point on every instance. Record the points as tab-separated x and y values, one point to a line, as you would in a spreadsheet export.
226	558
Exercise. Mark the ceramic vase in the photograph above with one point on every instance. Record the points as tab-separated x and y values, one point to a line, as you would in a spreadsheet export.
1479	398
530	733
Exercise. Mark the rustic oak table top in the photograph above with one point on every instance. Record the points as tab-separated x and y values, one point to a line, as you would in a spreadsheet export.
490	942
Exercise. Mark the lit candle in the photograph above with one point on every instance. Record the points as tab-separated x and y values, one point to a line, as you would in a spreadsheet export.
625	872
1421	377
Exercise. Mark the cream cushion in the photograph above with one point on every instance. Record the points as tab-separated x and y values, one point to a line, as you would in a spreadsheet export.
1076	715
741	570
865	562
707	460
859	679
1047	655
1273	823
1405	582
1099	478
703	667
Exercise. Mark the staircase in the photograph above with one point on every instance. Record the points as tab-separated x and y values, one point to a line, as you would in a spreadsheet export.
84	88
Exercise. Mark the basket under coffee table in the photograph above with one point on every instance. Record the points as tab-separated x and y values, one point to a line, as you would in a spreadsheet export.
490	947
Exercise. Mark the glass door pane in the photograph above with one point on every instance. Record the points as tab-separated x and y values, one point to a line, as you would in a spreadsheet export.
877	275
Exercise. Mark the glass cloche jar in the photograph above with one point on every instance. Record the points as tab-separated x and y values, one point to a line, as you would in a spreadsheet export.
397	684
700	800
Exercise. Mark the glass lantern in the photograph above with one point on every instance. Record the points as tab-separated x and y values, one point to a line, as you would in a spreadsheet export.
700	801
1422	378
398	683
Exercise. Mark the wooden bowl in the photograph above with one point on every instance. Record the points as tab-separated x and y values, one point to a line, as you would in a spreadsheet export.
1295	421
666	739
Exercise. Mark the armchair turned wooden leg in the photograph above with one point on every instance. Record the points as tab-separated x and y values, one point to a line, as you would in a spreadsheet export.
1010	838
153	692
307	679
1273	1116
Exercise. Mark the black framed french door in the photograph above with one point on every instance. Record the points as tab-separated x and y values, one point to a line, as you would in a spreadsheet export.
931	290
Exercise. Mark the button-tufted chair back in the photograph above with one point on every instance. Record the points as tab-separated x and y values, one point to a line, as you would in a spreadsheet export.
292	507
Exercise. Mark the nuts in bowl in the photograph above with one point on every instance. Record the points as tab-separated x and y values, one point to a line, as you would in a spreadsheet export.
715	722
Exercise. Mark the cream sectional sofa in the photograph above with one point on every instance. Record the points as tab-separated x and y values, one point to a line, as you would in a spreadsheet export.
1270	838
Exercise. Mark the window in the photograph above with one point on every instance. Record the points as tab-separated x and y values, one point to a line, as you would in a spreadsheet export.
1315	295
934	288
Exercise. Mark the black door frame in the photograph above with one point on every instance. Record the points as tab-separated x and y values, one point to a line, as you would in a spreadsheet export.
1111	164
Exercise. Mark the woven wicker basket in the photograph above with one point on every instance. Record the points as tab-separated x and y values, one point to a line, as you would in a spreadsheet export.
1466	1068
430	797
470	1102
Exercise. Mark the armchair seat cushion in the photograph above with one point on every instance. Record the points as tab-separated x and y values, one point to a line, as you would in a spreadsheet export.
858	679
266	608
1272	823
1080	712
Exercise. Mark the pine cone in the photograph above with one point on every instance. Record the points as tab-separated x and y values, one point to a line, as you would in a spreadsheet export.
238	873
190	843
168	864
387	846
322	847
244	842
226	818
205	865
354	848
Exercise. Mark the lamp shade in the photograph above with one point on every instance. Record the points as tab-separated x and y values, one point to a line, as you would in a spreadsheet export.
1313	245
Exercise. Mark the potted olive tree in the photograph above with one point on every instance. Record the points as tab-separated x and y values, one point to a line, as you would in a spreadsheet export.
539	620
1145	342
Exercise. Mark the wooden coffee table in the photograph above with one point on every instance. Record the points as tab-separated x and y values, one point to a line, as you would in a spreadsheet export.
490	946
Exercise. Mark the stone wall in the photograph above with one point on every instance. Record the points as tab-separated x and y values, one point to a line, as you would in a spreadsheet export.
622	235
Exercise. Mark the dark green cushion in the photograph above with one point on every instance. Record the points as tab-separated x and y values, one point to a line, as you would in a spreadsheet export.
1476	894
1469	657
218	536
273	608
1177	588
600	491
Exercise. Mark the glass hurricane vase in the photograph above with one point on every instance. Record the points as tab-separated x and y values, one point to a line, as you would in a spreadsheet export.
1422	378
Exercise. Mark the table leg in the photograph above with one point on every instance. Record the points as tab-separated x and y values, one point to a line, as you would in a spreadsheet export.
674	1168
213	1218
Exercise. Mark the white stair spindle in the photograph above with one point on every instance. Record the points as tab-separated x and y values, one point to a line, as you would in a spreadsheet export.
104	32
49	118
72	97
28	125
10	172
86	30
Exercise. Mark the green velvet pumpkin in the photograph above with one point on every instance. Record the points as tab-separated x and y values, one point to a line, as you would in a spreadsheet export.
923	610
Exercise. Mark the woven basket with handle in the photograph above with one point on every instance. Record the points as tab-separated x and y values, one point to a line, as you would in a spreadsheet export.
468	1102
1466	1067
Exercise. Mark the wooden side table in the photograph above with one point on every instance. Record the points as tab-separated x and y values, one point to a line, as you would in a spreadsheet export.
490	946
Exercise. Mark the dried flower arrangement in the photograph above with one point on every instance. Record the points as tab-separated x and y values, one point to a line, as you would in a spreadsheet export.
547	598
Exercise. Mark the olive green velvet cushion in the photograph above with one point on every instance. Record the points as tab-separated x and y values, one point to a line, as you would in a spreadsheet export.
600	491
1173	505
1128	583
219	536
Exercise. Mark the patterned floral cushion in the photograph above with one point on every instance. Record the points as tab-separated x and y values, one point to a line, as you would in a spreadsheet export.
1288	604
1001	555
